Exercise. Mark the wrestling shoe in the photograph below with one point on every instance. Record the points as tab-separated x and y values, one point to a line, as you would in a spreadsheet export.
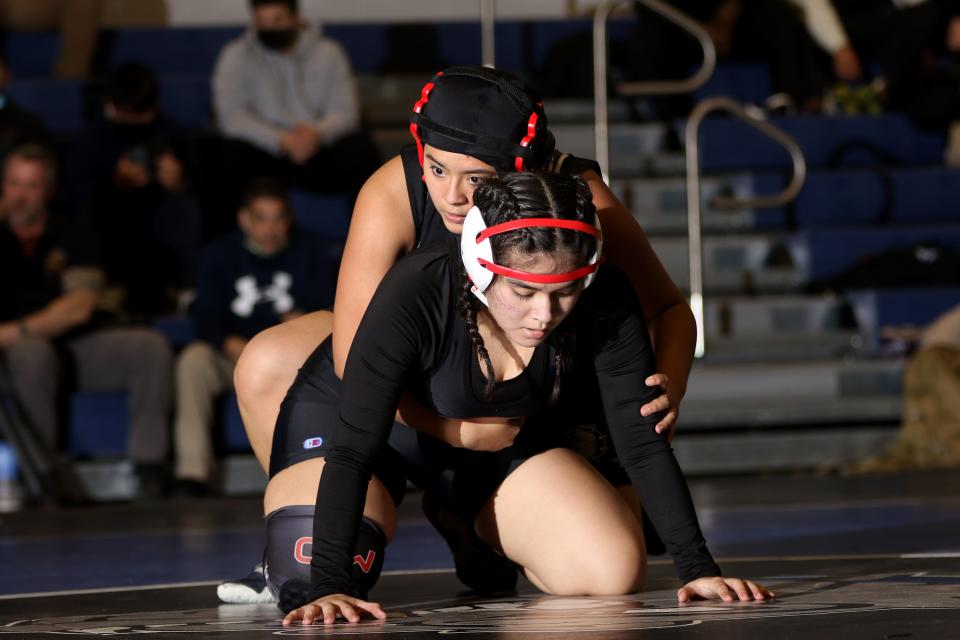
478	566
249	590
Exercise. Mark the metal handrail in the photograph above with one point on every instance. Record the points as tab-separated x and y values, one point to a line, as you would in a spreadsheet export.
488	10
656	87
692	144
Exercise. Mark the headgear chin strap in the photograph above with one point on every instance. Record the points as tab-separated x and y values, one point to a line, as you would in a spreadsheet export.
477	253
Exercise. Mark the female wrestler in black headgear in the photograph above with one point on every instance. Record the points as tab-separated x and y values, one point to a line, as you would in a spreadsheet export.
406	204
490	324
469	123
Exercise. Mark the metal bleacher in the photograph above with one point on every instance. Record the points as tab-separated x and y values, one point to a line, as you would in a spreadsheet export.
796	375
791	379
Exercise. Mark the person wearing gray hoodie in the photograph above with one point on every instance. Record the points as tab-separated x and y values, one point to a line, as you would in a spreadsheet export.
284	97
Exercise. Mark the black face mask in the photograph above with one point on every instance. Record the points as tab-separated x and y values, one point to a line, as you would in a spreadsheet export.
277	39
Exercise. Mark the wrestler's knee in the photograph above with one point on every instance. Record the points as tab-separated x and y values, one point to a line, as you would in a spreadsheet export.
614	568
259	369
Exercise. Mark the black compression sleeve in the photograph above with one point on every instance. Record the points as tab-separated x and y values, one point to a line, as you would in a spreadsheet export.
623	360
400	333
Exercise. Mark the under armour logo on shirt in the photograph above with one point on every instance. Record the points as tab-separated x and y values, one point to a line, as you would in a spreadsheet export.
249	294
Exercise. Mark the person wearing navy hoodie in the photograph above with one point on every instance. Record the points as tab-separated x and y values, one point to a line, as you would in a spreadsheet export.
262	274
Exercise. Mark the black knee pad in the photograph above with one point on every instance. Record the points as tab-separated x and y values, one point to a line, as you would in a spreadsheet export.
290	548
289	545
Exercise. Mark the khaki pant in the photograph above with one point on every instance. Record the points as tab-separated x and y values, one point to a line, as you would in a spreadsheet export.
202	374
137	361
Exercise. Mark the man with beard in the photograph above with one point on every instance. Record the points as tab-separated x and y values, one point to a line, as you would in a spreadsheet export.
50	330
265	272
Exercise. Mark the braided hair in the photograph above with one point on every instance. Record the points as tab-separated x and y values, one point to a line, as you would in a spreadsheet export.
515	196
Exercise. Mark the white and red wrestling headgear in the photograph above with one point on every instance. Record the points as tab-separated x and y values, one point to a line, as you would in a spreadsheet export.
477	253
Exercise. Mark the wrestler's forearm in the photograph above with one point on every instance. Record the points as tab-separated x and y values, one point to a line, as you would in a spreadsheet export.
674	337
414	415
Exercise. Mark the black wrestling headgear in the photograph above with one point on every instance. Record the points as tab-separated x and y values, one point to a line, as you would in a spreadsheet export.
485	113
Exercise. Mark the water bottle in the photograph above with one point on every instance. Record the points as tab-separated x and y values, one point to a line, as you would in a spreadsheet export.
9	488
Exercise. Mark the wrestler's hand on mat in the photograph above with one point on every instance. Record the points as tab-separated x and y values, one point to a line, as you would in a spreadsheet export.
328	608
489	434
726	589
669	402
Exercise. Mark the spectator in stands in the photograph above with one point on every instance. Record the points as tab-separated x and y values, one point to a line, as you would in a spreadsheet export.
286	98
77	20
131	176
50	330
262	274
767	31
899	37
17	125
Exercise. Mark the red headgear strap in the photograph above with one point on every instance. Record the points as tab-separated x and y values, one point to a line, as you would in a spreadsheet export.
540	278
418	108
527	139
526	223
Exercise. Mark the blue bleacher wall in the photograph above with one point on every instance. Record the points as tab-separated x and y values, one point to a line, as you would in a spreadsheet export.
184	59
728	144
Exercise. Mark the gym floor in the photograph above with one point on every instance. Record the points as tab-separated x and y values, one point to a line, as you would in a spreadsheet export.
850	557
